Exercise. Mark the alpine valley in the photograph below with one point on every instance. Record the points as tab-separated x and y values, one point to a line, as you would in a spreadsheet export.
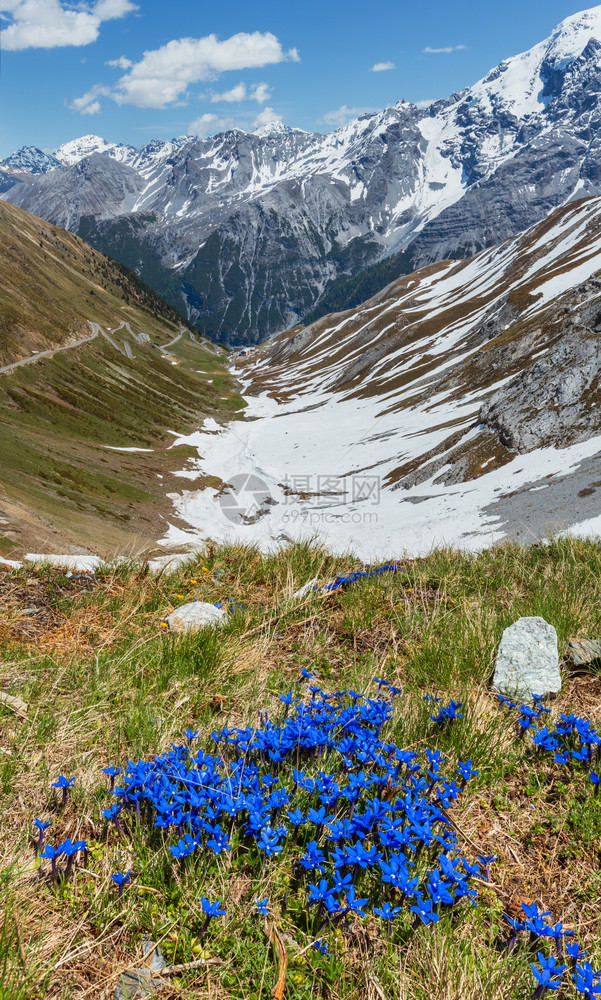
420	290
248	234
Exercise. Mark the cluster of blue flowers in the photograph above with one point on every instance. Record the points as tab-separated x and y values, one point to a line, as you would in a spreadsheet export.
549	971
232	604
344	581
67	848
365	821
572	741
447	714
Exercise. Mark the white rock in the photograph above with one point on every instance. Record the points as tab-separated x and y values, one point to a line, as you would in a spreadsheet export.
528	660
194	616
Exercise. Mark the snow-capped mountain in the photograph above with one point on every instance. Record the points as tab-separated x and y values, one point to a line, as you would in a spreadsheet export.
30	160
249	232
71	153
460	405
77	149
26	162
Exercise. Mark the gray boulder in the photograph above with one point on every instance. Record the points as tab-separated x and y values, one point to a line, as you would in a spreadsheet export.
528	660
194	616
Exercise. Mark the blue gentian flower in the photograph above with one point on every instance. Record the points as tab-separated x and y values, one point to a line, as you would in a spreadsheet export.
120	880
52	854
212	909
424	911
467	771
41	826
388	913
113	813
269	842
184	847
353	903
575	951
586	980
219	842
317	893
65	784
313	858
549	975
112	773
296	818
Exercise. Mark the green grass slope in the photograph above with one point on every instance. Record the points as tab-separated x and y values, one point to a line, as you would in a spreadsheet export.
60	484
53	283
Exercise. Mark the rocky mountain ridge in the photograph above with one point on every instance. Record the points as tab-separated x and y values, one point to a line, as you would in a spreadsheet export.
246	232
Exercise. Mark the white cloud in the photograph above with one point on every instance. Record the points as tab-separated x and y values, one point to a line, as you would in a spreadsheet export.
381	67
237	93
445	48
163	75
425	104
344	114
209	124
266	117
120	63
89	104
107	10
47	24
260	93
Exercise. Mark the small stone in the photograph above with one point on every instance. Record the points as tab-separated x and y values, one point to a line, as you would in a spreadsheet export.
134	984
194	616
137	983
584	651
153	955
528	660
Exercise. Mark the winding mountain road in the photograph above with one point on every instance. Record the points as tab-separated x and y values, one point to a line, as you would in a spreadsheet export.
46	354
97	329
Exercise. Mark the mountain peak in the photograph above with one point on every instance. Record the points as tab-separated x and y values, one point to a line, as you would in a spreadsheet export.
519	84
572	35
77	149
274	129
30	159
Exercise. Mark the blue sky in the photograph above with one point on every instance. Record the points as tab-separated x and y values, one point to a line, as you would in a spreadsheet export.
179	66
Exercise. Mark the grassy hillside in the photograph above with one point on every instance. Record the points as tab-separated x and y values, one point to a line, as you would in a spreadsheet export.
104	684
60	484
53	283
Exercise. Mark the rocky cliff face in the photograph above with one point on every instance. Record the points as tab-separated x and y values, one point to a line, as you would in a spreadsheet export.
557	399
248	232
